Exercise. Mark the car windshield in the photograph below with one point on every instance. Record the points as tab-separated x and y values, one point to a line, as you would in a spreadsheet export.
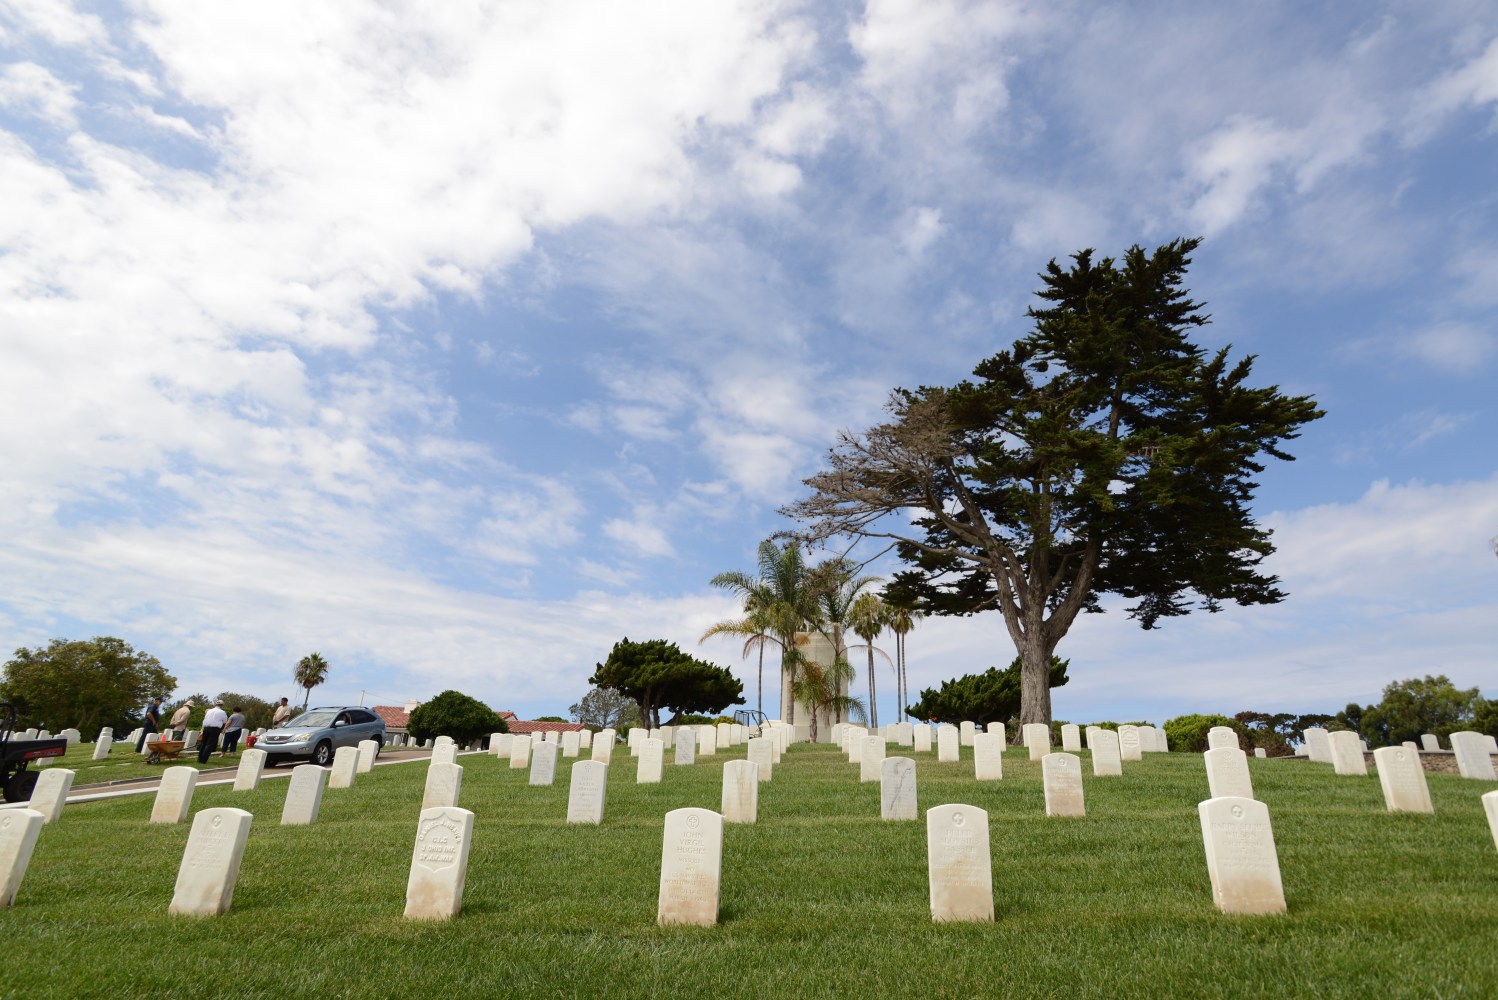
313	720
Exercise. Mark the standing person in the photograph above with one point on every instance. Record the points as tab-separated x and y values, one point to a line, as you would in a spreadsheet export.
213	724
283	713
232	731
179	720
151	724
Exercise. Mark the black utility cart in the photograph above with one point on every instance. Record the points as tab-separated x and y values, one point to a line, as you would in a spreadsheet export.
16	754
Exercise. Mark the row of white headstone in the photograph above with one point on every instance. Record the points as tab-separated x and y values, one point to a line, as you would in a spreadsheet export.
1345	750
1109	748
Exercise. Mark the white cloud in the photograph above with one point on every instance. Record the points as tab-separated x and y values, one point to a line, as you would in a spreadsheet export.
1474	83
641	534
58	21
523	522
29	86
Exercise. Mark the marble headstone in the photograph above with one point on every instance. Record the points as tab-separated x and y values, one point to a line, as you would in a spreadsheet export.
959	866
691	867
652	757
1107	761
174	794
1227	773
1402	778
439	864
304	795
544	764
897	789
51	793
1241	858
1062	774
210	862
443	786
19	830
988	756
741	792
585	796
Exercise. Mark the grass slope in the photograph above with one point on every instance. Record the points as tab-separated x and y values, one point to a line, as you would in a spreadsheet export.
820	899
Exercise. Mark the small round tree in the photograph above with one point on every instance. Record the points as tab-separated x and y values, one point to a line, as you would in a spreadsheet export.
454	714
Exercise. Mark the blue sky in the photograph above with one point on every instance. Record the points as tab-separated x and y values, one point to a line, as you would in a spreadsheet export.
457	342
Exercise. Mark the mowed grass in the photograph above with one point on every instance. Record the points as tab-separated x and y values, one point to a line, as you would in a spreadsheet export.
820	899
124	764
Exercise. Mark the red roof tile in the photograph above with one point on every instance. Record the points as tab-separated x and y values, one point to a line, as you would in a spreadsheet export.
520	728
398	718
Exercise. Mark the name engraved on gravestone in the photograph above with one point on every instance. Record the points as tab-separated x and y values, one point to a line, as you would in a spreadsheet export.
1107	761
1227	773
762	754
251	769
174	794
946	744
686	746
369	751
520	753
872	758
652	757
1402	779
897	789
585	796
443	786
959	867
691	867
922	734
1128	743
1062	776
603	746
741	792
439	864
1490	806
345	766
304	795
1037	737
1472	757
19	830
210	862
1241	858
544	764
988	756
1071	738
1347	754
1317	745
51	793
571	742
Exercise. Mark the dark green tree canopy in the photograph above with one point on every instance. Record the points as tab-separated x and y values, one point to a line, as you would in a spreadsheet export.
454	714
658	675
84	684
1105	453
1413	707
992	696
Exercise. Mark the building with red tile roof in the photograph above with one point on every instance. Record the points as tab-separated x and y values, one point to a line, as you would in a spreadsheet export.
397	719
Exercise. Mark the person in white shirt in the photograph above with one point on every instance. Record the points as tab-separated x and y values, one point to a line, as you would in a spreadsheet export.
283	714
213	724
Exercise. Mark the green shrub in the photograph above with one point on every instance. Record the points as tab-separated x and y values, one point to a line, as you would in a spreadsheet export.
1189	732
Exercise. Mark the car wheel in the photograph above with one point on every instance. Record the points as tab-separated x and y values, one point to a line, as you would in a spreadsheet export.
323	755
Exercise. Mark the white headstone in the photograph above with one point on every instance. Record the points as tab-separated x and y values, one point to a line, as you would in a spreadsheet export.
988	756
251	767
1490	806
304	795
585	796
443	786
762	754
965	732
633	738
51	793
1227	773
520	753
1128	743
959	866
571	742
439	864
922	738
73	736
1107	761
1037	737
724	735
1062	775
345	766
444	753
369	750
686	746
210	863
1071	738
668	736
191	740
1472	757
1402	778
544	764
19	830
741	792
853	738
499	744
1318	746
652	757
554	736
897	789
1241	859
946	744
1154	739
1260	753
174	794
691	867
707	741
1492	744
1347	754
1221	736
103	744
872	758
585	739
603	747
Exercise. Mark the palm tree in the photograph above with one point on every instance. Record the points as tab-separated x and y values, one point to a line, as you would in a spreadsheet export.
836	588
867	617
311	671
755	628
820	688
902	618
780	601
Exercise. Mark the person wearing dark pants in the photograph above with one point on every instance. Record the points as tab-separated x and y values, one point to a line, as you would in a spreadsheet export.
233	731
150	725
213	724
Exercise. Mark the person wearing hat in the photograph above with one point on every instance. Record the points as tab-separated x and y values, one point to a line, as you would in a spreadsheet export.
150	724
179	720
214	721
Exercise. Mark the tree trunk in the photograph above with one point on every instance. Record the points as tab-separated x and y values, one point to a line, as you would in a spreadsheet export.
1035	681
873	704
761	708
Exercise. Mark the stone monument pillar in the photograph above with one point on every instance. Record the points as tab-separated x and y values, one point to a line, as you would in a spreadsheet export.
818	648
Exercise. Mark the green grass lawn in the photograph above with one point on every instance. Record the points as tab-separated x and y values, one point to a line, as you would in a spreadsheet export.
820	899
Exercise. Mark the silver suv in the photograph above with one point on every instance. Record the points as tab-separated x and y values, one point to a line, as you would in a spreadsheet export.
317	733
